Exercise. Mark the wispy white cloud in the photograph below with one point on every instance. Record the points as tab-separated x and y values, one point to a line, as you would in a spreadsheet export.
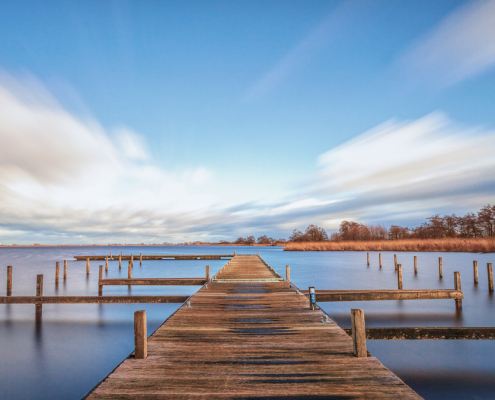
461	46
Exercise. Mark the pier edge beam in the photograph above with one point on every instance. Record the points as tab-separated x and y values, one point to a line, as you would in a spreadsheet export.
100	284
457	286
9	280
358	333
140	335
399	276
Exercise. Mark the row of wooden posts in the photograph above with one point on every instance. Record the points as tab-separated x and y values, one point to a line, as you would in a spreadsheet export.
398	267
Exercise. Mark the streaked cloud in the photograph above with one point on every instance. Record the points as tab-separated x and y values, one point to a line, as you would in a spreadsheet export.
461	46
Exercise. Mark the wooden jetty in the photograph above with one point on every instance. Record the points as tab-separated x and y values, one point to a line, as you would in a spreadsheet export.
157	257
248	333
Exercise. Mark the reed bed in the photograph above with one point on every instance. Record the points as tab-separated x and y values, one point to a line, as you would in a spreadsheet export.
477	245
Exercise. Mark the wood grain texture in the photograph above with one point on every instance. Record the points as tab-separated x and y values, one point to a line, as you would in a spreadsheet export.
250	340
428	333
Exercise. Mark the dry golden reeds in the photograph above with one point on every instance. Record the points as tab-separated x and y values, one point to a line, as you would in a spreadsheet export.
476	245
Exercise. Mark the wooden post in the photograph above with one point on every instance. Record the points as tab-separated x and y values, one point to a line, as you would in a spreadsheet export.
395	261
9	280
39	293
415	265
140	335
120	261
129	270
65	270
57	267
207	272
121	253
110	254
358	333
440	267
100	277
132	260
87	266
380	258
287	273
399	276
140	258
457	286
368	258
106	264
312	298
475	272
234	253
490	276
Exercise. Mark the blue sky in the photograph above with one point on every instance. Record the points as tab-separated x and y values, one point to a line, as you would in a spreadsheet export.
172	121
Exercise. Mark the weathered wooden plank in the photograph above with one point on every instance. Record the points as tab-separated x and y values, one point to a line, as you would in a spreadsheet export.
90	299
429	333
371	295
155	281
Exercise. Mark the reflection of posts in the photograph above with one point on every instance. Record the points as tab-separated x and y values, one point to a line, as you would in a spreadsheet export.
457	286
140	335
312	298
358	333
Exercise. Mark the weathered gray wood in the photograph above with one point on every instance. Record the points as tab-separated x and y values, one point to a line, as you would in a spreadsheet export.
475	271
358	333
207	273
140	335
9	280
155	281
39	293
415	265
399	276
65	270
457	286
490	276
90	299
440	267
287	273
57	270
371	295
428	333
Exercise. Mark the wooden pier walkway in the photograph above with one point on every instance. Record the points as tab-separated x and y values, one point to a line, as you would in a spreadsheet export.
249	334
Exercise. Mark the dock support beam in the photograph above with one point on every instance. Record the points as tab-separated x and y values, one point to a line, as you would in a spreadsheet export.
140	335
358	333
100	278
9	280
475	272
287	273
490	276
399	276
415	265
207	273
457	286
440	267
39	293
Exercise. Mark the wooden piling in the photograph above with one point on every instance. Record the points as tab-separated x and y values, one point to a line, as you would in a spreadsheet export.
399	276
457	286
475	272
380	259
287	273
395	261
65	270
312	298
140	335
440	267
415	265
110	254
368	258
57	267
490	276
9	280
39	293
140	258
132	260
106	264
121	253
358	333
234	253
207	272
129	270
120	261
100	278
87	266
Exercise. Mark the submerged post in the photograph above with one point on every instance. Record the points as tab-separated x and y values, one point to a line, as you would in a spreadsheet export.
9	280
415	265
65	270
490	276
100	277
358	333
287	273
129	270
475	271
140	258
207	272
57	267
39	293
87	266
312	298
457	286
140	335
368	258
440	267
399	276
395	261
120	261
106	264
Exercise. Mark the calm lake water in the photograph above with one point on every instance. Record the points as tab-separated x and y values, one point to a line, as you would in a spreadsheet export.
77	345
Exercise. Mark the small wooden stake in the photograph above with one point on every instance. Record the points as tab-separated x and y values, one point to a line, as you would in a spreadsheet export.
129	270
110	254
395	261
39	293
358	333
65	270
399	276
475	271
415	265
120	261
234	253
100	277
440	267
312	298
87	266
380	258
57	268
140	335
106	264
490	276
9	280
132	260
121	253
140	258
457	286
207	272
287	273
368	258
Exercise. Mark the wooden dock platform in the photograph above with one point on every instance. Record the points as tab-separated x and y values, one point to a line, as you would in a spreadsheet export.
249	334
125	257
